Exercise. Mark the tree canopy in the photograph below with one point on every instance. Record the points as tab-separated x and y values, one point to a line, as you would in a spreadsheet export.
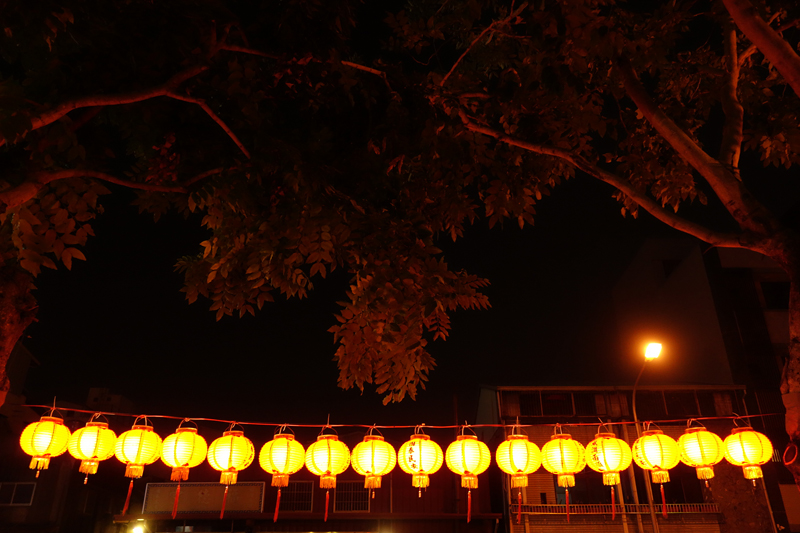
320	135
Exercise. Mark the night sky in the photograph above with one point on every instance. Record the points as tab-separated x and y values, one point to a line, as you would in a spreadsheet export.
120	321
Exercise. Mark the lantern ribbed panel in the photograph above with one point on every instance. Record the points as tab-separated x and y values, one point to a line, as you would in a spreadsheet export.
656	452
748	449
518	457
609	456
136	448
373	458
92	444
701	449
468	457
44	439
183	450
565	457
420	457
281	457
327	458
229	454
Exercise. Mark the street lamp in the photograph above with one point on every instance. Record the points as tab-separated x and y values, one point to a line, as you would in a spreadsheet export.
652	351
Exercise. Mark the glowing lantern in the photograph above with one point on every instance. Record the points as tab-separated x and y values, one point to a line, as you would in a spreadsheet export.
749	449
420	457
44	439
327	458
565	457
91	444
658	453
468	457
137	447
609	455
373	458
701	449
183	450
281	457
229	454
518	457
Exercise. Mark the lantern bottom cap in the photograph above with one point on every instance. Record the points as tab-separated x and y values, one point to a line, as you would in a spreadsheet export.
660	476
610	478
180	473
519	481
229	478
469	481
752	472
39	462
134	471
89	466
420	481
280	480
705	472
566	480
327	482
372	482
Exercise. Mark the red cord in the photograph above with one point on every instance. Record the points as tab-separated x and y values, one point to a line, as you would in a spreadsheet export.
224	499
567	491
327	498
277	506
663	503
128	499
469	506
613	506
175	505
519	506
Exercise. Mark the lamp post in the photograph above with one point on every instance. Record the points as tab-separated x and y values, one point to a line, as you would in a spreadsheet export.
652	351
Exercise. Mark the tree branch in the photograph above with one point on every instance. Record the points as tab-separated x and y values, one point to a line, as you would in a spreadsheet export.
489	28
768	41
48	117
242	49
722	240
16	196
731	146
374	71
748	212
204	106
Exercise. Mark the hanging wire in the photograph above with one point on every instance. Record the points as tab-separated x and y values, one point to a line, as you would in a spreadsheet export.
418	428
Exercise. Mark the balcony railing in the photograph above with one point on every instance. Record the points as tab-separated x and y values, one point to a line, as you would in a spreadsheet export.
602	508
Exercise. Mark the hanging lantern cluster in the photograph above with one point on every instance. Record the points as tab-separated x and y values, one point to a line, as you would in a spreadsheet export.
374	457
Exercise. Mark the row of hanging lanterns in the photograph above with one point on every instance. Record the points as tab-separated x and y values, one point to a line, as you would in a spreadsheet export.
374	457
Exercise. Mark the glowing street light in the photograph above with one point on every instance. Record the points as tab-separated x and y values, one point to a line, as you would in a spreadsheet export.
652	351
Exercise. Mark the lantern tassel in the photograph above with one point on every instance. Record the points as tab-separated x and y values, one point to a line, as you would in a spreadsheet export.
663	503
469	506
566	490
175	505
327	499
224	499
519	506
613	505
277	506
86	479
128	498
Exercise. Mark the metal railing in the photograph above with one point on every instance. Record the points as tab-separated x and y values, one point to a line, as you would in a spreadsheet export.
603	508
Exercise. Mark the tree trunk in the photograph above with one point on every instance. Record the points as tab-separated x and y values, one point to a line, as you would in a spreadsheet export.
17	311
790	381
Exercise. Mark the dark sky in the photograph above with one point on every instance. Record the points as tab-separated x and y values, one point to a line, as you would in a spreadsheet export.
119	321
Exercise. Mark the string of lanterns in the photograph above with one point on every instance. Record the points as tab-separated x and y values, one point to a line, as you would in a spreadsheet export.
374	457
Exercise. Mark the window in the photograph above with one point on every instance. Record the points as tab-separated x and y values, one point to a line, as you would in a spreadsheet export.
650	405
17	493
557	403
529	404
681	403
298	496
351	496
586	404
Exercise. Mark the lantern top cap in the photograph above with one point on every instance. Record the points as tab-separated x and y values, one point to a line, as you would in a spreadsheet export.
54	419
420	436
368	438
652	351
652	432
145	428
97	424
560	436
734	431
287	436
467	437
186	430
327	437
605	435
517	436
234	433
695	429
